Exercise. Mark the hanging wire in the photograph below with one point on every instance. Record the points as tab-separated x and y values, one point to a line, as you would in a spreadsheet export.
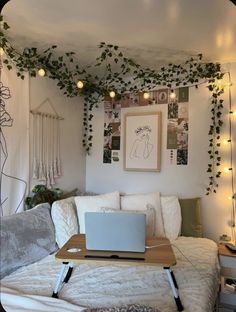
233	199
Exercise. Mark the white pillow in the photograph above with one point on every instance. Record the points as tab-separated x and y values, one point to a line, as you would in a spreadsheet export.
65	220
140	201
150	218
172	219
95	204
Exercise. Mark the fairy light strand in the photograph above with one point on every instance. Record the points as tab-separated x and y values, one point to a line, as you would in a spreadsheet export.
233	214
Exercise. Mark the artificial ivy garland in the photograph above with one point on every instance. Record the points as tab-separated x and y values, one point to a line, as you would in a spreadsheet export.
122	75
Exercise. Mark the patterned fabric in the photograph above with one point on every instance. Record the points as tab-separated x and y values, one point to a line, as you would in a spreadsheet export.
171	213
94	204
126	308
101	285
140	202
65	220
150	217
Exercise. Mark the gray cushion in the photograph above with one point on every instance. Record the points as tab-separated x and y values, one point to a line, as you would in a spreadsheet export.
26	237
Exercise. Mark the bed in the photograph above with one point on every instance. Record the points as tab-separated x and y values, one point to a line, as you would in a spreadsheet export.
108	287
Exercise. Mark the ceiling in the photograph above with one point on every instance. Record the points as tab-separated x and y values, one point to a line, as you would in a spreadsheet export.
153	32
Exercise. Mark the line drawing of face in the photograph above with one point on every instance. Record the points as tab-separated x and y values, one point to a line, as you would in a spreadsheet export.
141	148
143	132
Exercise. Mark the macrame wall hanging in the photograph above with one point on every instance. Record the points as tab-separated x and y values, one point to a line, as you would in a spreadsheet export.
46	145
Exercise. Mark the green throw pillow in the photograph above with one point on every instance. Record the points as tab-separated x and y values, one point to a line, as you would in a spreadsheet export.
191	217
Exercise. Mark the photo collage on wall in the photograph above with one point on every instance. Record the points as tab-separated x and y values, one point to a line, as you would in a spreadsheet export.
111	146
177	125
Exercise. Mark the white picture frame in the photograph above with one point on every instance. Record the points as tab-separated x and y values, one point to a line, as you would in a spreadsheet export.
142	141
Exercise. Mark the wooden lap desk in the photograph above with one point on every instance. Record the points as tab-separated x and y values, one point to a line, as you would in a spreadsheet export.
164	257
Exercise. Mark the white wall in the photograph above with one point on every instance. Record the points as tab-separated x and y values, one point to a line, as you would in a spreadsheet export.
184	181
73	157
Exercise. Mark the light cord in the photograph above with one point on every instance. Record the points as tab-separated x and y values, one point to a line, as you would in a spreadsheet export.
233	214
185	257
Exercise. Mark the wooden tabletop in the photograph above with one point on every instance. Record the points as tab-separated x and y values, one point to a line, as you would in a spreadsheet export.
159	256
224	251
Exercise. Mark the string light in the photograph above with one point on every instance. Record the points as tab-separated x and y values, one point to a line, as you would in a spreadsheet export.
220	84
1	51
80	84
146	95
230	168
172	95
232	196
226	141
41	72
112	94
227	170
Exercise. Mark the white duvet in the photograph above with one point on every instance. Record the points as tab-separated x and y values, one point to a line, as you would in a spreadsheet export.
16	301
94	286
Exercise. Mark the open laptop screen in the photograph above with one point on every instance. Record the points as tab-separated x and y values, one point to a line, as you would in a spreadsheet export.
115	231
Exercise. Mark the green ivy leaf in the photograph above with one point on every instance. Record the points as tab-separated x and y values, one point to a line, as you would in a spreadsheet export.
193	71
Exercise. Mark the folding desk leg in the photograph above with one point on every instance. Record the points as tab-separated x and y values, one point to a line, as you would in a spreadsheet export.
60	279
174	287
68	274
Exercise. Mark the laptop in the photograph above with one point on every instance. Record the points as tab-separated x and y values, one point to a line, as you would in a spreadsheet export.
113	231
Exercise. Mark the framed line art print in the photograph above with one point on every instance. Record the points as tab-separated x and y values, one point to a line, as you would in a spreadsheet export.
142	141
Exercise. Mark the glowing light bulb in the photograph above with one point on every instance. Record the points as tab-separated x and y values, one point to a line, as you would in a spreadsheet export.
226	141
220	84
146	95
80	84
112	94
41	72
233	113
172	95
227	170
1	51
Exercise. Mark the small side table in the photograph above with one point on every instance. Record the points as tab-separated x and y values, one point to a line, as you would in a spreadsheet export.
227	259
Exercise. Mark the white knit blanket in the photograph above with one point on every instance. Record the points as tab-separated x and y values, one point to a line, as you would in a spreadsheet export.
94	286
16	301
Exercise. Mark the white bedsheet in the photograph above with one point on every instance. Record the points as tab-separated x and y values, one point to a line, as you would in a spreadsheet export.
92	285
